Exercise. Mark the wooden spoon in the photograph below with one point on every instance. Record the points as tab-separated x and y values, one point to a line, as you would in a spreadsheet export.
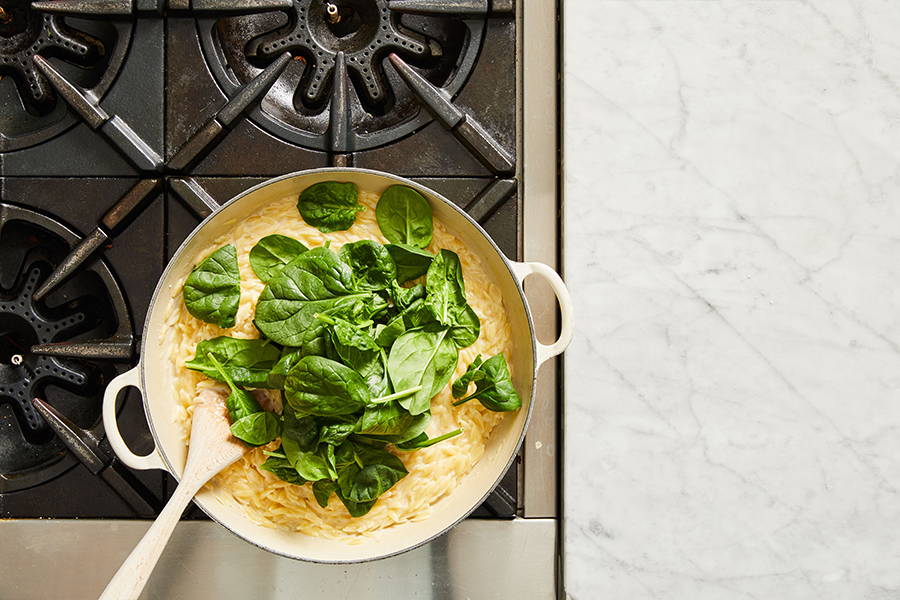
212	448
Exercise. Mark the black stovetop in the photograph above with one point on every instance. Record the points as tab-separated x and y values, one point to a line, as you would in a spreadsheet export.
166	76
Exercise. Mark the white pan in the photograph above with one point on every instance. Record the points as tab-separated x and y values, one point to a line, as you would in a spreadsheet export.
154	379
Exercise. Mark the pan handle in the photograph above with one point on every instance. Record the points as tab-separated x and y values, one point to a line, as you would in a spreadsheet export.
522	271
110	424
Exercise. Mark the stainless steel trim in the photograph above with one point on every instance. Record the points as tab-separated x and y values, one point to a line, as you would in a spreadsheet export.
538	21
204	561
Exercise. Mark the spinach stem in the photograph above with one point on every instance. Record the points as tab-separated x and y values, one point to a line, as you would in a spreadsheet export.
397	395
275	454
440	438
325	318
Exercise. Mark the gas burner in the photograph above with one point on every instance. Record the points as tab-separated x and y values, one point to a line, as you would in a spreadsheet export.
341	80
89	305
90	52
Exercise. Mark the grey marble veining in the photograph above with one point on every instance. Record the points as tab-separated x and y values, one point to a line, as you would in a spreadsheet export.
732	241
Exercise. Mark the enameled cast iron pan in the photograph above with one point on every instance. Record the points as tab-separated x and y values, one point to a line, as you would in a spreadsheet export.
154	379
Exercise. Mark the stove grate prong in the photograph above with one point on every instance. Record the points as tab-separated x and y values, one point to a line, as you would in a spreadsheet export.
125	207
490	199
127	7
194	195
340	139
85	7
440	7
116	130
112	348
466	129
212	129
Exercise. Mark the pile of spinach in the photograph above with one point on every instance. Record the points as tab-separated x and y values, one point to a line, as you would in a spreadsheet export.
356	355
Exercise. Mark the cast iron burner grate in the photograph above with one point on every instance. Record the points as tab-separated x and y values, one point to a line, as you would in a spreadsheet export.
89	51
340	94
89	305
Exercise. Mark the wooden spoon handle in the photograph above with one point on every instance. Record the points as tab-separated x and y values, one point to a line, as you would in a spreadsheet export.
129	580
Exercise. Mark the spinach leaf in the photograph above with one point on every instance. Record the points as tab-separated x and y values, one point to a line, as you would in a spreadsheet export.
473	373
270	255
246	362
257	428
298	435
372	264
240	403
380	471
283	469
421	358
466	327
411	262
212	292
311	466
385	335
289	357
356	509
493	388
423	441
391	419
404	216
359	351
404	297
315	282
323	490
447	299
319	386
330	205
446	290
335	433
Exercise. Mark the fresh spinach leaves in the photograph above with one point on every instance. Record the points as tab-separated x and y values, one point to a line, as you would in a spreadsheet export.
404	216
316	282
423	441
212	292
246	362
422	358
257	429
240	403
330	205
411	262
372	265
493	385
319	386
270	255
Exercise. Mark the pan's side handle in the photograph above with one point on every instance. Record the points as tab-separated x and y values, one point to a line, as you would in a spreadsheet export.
522	271
110	424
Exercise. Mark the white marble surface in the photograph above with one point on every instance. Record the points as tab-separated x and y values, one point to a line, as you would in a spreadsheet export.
732	229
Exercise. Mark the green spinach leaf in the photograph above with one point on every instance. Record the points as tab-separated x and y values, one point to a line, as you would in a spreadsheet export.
411	262
391	419
212	292
298	435
372	265
493	388
385	335
316	282
421	358
335	433
359	351
270	255
240	403
246	362
404	216
447	299
404	297
473	373
323	490
330	205
283	469
319	386
258	428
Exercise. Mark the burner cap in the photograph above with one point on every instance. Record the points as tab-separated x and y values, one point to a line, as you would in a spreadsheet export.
87	306
89	52
381	108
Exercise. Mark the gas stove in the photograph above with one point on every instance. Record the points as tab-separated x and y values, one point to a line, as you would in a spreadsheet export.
123	123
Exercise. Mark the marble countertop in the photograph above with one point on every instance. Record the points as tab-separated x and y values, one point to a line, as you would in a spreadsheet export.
732	242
